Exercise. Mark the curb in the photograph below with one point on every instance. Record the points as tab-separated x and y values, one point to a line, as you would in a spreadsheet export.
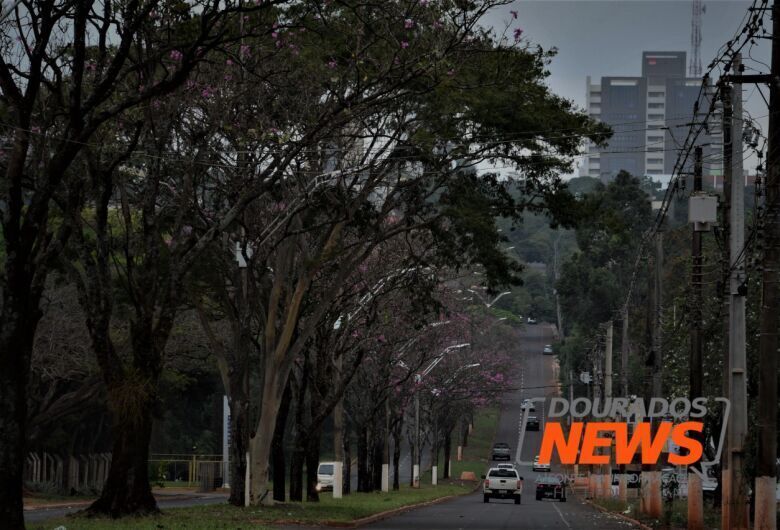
397	511
622	516
54	506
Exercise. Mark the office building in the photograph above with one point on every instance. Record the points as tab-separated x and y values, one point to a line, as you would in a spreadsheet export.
650	116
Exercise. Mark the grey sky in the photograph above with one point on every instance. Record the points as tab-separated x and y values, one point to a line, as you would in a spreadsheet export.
604	38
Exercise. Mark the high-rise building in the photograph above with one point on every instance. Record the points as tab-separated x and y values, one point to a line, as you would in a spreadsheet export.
650	116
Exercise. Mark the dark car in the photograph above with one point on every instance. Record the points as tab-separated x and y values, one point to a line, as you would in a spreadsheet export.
532	424
501	452
551	487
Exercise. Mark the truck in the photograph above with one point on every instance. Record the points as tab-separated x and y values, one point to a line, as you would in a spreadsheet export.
502	483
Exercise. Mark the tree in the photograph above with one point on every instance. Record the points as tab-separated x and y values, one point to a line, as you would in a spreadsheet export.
66	69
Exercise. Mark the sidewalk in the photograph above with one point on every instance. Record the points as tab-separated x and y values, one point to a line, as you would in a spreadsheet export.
179	494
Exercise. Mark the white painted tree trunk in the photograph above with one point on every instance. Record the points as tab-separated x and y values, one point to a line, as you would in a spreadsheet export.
385	477
338	479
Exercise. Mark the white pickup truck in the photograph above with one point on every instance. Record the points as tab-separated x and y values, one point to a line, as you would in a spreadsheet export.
502	483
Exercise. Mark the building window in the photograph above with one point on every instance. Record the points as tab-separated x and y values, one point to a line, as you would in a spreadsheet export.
655	160
654	172
655	94
655	116
655	105
652	139
655	149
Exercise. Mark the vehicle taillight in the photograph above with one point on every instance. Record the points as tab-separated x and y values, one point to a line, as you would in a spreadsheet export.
519	484
487	483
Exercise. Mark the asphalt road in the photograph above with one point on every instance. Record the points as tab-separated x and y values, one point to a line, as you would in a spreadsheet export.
537	377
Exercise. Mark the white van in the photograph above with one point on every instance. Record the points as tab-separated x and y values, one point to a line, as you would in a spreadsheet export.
325	476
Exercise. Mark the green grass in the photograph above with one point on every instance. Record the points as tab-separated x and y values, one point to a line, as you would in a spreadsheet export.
328	510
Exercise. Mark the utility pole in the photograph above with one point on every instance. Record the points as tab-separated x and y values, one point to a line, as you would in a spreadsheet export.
695	368
766	465
624	345
725	489
651	475
737	479
607	474
417	448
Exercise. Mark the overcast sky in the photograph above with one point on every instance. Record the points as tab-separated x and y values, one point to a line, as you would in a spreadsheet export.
606	38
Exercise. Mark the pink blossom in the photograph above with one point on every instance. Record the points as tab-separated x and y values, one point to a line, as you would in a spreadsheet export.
408	23
451	72
332	64
514	14
424	3
229	62
437	24
228	77
207	92
518	34
244	50
176	55
275	34
404	44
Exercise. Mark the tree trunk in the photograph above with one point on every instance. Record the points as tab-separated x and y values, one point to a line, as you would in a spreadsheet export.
464	432
347	462
278	461
397	457
274	382
362	460
297	460
239	443
447	453
312	464
16	338
127	490
377	459
301	440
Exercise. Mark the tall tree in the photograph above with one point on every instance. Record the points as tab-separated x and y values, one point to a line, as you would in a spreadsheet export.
66	69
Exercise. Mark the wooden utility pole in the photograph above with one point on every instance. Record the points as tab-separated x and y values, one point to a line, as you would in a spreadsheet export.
695	368
766	465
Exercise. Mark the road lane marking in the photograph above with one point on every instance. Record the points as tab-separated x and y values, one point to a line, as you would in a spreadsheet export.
562	517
